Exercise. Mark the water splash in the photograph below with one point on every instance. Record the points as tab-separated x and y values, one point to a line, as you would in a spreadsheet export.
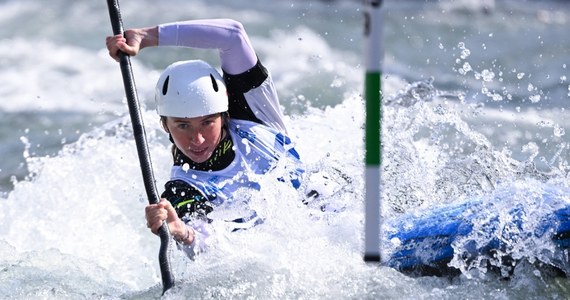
510	225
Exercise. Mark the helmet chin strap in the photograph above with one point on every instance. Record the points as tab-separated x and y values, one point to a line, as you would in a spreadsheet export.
221	136
225	118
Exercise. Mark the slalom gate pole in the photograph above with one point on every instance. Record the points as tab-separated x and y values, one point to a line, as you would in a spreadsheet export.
142	146
373	99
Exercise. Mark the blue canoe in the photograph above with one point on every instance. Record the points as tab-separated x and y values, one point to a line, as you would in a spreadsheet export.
494	227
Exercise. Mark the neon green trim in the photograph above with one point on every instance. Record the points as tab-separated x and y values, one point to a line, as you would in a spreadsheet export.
184	202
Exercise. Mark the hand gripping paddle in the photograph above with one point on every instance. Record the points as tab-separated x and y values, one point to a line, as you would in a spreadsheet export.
142	146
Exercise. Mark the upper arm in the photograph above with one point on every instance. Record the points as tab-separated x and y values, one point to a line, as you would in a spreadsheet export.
227	36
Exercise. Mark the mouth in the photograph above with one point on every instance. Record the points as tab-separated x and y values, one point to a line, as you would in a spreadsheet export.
198	152
199	155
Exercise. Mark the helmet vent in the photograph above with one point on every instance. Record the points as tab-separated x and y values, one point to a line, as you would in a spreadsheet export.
165	85
214	83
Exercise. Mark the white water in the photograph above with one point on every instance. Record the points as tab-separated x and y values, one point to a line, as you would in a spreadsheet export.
72	223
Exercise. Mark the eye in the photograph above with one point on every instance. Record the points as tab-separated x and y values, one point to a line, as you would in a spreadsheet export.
207	122
182	126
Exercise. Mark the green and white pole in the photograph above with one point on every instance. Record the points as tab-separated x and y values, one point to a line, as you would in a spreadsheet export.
373	99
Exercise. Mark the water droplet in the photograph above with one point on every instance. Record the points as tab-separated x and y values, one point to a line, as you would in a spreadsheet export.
467	67
558	131
487	75
464	51
520	75
534	98
531	148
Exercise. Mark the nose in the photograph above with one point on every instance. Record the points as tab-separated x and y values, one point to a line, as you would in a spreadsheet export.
196	138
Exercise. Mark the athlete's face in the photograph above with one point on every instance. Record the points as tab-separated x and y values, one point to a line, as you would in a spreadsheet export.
196	137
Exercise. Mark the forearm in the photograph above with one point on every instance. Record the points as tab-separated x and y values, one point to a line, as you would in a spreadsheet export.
225	35
184	234
148	36
201	233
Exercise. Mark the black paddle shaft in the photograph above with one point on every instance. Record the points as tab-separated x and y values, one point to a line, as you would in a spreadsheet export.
142	145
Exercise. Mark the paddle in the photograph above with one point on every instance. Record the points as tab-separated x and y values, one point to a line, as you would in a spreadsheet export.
142	146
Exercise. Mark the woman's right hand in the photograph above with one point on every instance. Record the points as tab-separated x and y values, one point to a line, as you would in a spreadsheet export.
132	41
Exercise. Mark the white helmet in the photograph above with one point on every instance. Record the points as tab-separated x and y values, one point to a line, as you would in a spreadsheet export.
188	89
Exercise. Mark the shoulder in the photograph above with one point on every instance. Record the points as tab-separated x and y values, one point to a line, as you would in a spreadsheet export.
246	81
252	96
